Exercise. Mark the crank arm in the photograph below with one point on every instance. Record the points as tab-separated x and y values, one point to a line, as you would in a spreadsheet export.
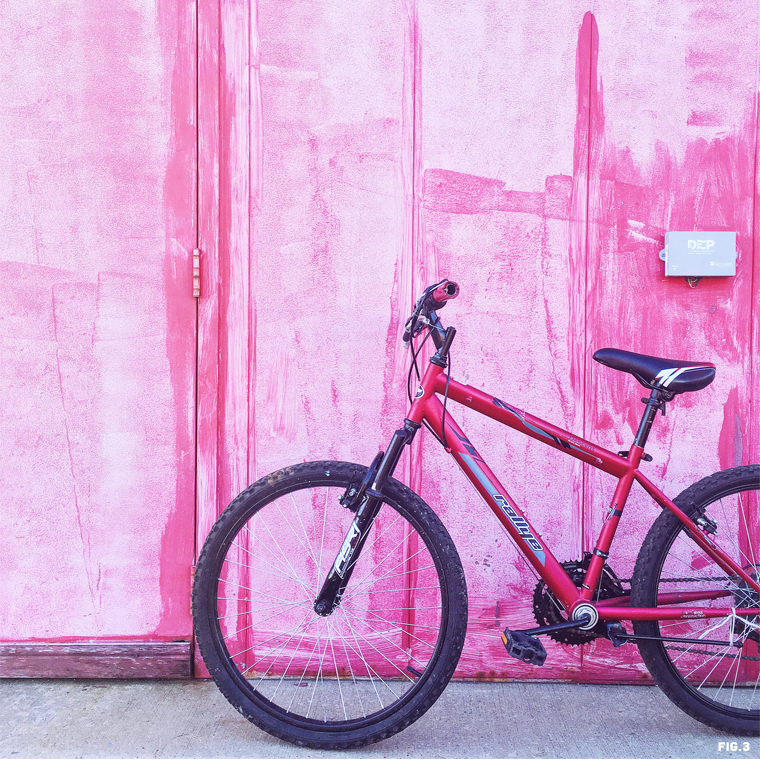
582	620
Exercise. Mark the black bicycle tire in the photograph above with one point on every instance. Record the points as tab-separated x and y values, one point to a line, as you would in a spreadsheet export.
652	556
210	641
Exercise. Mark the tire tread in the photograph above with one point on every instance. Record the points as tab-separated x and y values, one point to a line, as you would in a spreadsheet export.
692	500
457	602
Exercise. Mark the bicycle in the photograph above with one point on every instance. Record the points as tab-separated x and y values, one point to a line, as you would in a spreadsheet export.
354	635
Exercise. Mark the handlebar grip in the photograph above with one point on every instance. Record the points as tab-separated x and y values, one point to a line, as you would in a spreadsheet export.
428	303
444	292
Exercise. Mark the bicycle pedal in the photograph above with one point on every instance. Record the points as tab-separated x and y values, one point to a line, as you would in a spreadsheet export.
523	647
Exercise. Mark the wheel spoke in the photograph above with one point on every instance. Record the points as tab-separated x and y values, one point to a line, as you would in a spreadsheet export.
290	662
722	675
391	642
268	572
308	587
337	670
380	678
262	569
251	554
352	588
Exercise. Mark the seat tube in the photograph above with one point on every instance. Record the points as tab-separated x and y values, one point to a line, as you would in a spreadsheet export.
607	534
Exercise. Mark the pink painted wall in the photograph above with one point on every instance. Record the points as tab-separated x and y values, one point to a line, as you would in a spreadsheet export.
535	152
97	321
348	155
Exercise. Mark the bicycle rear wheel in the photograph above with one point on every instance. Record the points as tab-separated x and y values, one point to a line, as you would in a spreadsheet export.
717	680
367	670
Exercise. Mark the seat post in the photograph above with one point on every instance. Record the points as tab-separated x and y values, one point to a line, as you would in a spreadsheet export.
656	400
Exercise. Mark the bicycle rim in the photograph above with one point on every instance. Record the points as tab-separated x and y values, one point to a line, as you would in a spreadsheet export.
720	665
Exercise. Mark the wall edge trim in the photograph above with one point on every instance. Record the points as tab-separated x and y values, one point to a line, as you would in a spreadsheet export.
99	659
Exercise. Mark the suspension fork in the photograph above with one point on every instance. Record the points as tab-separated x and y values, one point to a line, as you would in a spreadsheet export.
348	554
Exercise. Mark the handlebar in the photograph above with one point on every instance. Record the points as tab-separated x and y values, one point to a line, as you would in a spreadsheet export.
443	292
432	299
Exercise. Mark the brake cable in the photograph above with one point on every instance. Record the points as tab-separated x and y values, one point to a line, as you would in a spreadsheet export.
413	366
445	399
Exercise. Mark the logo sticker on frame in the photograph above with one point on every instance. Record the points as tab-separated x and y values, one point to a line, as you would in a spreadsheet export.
520	523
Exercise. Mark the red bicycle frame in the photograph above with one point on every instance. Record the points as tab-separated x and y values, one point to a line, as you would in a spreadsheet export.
427	407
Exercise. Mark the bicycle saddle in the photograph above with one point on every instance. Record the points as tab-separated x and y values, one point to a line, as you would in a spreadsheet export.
652	372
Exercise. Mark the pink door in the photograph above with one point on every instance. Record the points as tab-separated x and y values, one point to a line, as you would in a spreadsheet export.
98	331
673	132
353	153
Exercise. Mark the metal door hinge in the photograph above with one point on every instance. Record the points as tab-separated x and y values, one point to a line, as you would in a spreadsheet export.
196	273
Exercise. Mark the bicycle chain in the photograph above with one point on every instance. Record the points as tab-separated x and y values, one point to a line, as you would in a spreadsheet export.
611	585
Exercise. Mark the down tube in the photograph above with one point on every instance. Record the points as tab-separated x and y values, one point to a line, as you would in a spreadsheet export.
508	513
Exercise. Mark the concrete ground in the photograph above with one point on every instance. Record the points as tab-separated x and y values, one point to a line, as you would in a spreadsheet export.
191	719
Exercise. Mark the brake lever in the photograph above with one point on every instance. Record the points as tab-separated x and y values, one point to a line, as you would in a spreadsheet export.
413	327
413	331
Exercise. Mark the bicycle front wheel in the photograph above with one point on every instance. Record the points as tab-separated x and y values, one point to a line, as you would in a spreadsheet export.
379	660
712	670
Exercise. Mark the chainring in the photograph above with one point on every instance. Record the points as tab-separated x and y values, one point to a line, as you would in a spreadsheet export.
548	611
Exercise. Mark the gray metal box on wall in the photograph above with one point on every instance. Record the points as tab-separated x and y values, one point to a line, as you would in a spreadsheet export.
699	254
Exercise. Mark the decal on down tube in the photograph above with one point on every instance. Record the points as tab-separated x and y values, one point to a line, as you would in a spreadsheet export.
520	523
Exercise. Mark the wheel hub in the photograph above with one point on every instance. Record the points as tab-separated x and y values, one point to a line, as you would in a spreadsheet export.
746	596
